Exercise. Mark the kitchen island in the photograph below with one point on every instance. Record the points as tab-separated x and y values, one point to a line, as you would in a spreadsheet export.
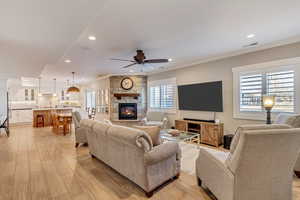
47	114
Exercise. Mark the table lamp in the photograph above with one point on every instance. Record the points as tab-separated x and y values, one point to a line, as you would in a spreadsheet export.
268	103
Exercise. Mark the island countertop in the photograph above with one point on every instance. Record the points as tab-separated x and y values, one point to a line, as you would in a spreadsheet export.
47	114
39	109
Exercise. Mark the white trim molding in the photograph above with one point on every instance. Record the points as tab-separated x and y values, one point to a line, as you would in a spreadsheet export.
286	64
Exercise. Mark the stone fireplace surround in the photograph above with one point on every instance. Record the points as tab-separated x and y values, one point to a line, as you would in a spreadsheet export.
139	87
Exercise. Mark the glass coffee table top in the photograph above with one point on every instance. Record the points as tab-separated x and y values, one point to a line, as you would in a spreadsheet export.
183	136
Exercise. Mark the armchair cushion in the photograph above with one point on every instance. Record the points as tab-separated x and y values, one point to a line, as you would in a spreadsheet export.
153	132
154	123
155	116
290	119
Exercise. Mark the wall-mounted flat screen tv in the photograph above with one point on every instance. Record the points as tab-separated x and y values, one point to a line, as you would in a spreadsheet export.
201	97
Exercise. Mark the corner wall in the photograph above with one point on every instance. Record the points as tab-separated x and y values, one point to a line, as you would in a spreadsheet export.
3	97
222	70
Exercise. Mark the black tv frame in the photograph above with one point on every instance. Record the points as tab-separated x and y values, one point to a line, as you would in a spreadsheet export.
201	109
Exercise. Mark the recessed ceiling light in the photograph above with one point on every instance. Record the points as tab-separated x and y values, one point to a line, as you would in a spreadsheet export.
170	59
251	36
68	61
131	71
91	37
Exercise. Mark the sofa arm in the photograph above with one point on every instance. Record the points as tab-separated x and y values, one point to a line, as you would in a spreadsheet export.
162	152
80	135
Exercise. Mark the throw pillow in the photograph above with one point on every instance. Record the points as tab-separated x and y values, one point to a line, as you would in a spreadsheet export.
153	132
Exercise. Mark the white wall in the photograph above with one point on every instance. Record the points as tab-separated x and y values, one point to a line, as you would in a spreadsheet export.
222	70
3	98
102	83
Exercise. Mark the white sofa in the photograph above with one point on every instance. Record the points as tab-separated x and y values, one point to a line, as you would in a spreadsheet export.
155	118
260	165
131	153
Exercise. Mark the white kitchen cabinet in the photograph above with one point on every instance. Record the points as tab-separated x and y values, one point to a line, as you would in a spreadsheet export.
21	116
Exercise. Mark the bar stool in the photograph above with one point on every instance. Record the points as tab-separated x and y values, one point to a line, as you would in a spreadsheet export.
40	121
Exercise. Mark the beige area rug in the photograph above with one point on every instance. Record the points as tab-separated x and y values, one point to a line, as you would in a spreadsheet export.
190	154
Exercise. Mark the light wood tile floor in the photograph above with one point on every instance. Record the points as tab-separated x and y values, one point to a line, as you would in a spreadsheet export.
36	164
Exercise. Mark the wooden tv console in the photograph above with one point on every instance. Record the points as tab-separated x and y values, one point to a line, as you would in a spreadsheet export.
210	133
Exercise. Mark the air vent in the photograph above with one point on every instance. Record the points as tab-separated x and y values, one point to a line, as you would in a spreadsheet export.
251	45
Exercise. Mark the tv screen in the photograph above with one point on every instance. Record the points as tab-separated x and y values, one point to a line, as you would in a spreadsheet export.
201	97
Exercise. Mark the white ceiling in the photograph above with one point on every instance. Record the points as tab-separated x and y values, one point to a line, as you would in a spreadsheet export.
37	36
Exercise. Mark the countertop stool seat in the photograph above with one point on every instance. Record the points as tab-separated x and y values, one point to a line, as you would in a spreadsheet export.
40	122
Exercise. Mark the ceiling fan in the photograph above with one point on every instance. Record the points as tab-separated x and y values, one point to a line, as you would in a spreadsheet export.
140	58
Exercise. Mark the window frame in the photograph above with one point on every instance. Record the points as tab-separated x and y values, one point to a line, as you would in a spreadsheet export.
169	81
95	98
267	67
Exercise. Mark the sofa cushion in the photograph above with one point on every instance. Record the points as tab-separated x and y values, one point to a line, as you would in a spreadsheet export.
87	123
153	132
100	127
242	128
130	136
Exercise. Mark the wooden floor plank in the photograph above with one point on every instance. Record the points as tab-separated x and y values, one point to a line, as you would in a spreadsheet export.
35	164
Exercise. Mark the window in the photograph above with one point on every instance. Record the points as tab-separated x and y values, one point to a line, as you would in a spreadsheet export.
90	99
279	84
277	78
162	94
62	95
26	95
32	95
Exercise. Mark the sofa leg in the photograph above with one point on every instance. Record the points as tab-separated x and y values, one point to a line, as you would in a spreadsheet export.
76	145
149	194
297	173
176	176
85	144
199	182
93	156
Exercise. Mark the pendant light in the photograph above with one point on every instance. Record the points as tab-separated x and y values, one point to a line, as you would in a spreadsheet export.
54	94
73	88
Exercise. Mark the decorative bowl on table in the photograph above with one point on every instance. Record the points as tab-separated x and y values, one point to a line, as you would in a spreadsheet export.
174	132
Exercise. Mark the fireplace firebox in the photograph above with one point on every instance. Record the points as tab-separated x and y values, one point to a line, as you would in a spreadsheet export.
127	111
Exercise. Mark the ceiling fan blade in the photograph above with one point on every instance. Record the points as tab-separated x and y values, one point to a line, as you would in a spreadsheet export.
156	61
129	65
122	60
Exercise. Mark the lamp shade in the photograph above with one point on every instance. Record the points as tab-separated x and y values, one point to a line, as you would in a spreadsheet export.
73	89
268	102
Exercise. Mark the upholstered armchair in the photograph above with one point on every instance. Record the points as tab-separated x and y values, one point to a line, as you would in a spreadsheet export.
260	166
155	118
292	120
80	135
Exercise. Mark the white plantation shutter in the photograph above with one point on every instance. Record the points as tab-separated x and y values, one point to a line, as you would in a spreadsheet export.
155	97
162	94
167	96
251	92
282	86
